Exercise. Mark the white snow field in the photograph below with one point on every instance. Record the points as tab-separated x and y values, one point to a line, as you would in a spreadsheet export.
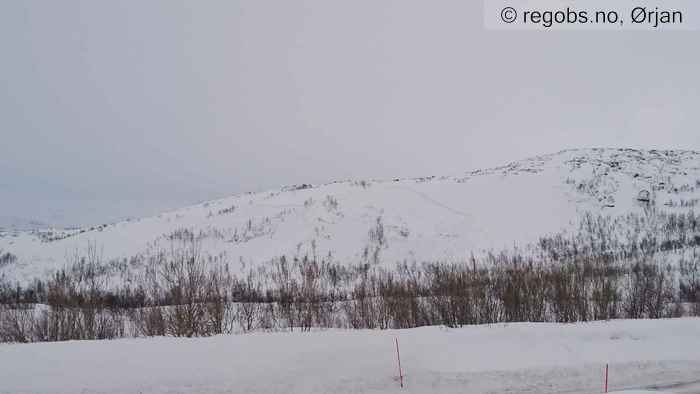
424	219
503	358
638	392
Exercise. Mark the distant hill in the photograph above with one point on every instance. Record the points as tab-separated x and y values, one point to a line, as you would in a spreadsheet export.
14	223
445	218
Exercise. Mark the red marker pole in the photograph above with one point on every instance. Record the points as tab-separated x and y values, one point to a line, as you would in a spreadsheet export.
606	378
398	358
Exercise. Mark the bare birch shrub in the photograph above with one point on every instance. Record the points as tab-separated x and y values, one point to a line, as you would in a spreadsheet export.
183	277
16	324
595	273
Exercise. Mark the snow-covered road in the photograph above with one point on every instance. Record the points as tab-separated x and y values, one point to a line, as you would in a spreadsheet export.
503	358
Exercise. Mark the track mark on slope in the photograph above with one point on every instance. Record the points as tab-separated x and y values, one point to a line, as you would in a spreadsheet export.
693	385
439	204
434	202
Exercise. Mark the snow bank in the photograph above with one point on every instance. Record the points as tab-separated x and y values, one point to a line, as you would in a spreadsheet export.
637	392
514	358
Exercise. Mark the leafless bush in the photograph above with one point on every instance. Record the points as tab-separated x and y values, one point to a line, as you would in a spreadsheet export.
648	291
228	210
220	314
149	321
16	324
6	258
598	272
247	293
182	275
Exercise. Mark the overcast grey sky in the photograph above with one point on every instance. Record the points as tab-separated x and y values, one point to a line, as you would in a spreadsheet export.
126	108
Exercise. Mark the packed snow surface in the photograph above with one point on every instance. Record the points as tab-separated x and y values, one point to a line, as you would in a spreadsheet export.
502	358
422	219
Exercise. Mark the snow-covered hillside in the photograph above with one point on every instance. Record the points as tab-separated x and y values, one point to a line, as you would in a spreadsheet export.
432	218
505	358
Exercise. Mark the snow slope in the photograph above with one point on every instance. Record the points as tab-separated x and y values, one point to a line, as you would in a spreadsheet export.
511	358
433	218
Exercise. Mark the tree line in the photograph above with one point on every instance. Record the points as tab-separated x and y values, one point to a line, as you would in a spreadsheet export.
636	266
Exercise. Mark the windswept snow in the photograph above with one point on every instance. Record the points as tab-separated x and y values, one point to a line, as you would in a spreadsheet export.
638	392
431	218
504	358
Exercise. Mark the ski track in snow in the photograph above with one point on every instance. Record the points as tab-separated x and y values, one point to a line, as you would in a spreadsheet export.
434	202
